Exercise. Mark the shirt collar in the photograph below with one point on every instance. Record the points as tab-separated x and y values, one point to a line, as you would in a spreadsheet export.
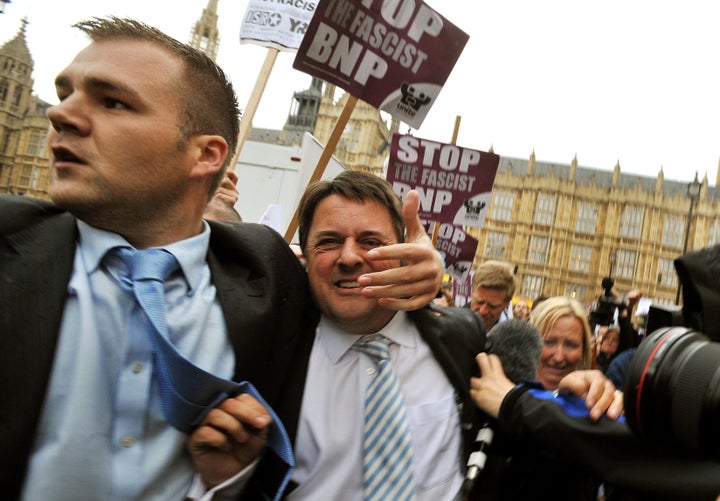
191	253
337	342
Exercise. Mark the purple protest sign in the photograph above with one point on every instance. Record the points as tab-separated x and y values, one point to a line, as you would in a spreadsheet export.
393	54
454	183
457	248
462	290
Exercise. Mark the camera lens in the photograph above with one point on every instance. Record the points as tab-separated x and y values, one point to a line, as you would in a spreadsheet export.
673	390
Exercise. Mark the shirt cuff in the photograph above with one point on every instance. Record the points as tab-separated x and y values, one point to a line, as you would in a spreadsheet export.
230	489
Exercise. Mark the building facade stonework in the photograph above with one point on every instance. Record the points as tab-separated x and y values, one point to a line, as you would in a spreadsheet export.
564	228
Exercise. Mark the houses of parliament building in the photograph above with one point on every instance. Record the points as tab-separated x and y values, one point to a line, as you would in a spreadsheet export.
563	227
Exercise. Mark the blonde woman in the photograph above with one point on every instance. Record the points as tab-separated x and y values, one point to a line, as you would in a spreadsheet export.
564	327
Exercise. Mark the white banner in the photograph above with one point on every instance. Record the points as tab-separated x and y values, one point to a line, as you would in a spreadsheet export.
280	24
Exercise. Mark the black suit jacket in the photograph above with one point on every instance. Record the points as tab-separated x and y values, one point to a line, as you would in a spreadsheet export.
455	336
266	303
261	287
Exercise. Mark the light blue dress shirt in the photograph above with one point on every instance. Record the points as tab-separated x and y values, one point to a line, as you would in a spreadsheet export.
102	434
328	447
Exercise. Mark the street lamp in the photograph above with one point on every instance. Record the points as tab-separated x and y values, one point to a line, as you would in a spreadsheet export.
693	193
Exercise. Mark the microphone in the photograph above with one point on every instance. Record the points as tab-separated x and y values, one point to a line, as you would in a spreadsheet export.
518	344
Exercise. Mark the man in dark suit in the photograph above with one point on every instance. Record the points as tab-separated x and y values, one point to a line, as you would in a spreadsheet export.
140	139
432	350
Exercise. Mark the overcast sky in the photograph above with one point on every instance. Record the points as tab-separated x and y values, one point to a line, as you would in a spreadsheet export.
634	81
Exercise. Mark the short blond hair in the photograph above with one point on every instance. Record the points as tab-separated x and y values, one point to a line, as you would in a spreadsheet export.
495	275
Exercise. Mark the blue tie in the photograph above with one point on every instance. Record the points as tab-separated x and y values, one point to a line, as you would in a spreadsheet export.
187	392
387	457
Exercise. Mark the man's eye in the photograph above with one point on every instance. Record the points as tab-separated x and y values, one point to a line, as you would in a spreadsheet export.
326	242
114	104
371	244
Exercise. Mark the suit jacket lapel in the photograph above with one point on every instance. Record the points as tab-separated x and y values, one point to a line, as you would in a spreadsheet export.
39	271
450	356
35	268
454	347
269	314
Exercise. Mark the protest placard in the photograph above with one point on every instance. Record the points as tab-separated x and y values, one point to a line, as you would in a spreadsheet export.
456	246
454	183
280	24
393	54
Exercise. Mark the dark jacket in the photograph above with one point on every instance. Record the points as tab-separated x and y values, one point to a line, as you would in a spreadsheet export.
266	302
607	449
261	287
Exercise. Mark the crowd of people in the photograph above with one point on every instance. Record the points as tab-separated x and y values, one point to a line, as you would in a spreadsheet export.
334	368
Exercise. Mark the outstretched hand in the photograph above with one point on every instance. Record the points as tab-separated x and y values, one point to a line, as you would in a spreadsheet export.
229	439
417	280
489	390
600	395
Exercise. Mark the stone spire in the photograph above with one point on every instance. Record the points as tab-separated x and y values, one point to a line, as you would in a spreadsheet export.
616	175
205	36
16	67
531	163
17	47
304	109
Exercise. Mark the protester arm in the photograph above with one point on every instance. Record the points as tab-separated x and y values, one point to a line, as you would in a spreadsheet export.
609	450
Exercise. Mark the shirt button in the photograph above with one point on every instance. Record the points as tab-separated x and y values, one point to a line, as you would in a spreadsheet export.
136	367
127	441
370	371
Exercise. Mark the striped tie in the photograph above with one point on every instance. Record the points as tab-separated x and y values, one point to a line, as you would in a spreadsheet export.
388	458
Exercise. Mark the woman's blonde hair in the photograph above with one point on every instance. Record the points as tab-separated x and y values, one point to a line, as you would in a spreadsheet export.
550	310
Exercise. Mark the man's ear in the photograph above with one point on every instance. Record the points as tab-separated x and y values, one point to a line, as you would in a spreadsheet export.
210	154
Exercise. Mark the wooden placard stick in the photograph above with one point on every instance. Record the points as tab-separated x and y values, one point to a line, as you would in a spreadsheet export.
253	102
325	157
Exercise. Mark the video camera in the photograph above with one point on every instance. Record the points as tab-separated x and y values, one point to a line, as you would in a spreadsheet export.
673	382
604	311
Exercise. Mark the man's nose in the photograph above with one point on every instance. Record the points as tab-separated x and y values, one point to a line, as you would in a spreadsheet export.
350	253
69	116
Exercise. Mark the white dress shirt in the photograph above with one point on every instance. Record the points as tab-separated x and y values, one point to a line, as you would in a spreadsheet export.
102	434
329	444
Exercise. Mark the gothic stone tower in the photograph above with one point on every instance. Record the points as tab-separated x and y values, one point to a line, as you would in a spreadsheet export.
205	36
24	165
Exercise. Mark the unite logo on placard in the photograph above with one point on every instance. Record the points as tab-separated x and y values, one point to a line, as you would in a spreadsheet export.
473	208
412	99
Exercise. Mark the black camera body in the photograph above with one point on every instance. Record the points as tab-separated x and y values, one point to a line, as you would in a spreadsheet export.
672	390
672	394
